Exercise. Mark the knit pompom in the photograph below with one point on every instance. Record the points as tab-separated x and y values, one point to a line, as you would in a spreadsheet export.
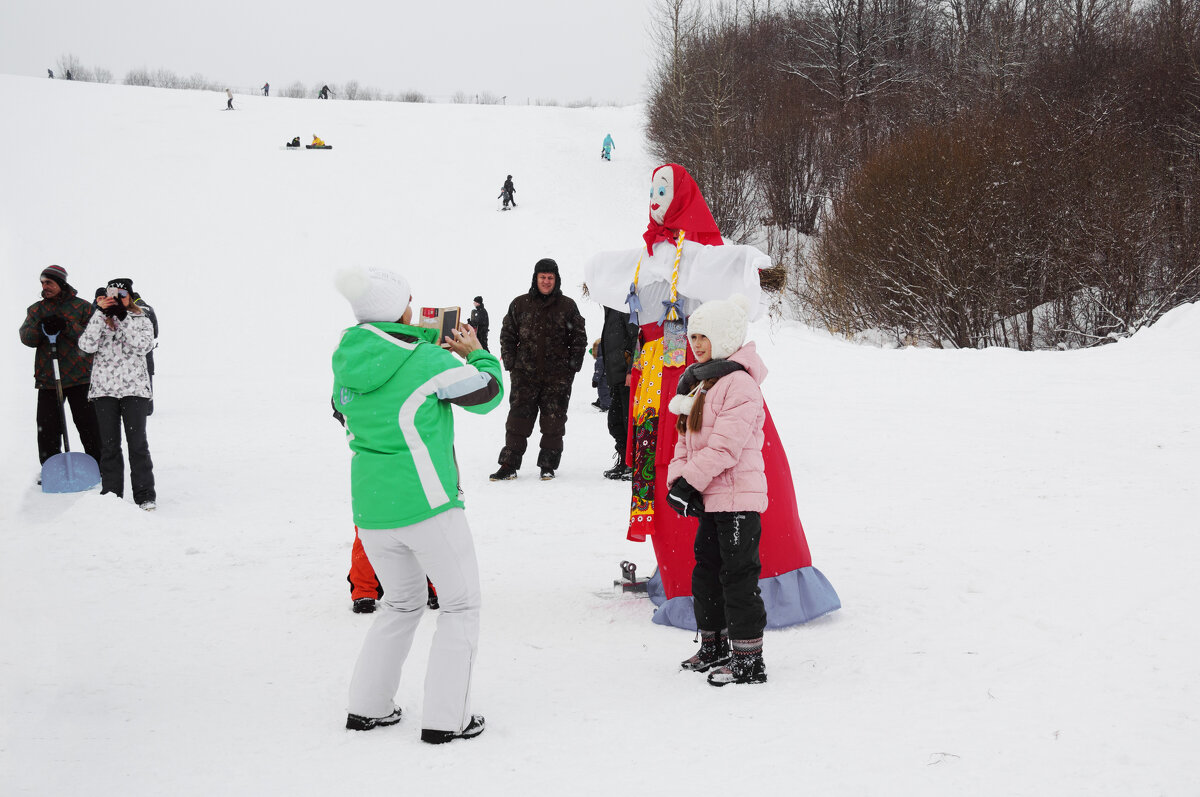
681	404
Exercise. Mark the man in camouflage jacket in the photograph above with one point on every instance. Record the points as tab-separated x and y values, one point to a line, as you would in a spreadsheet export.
60	311
542	342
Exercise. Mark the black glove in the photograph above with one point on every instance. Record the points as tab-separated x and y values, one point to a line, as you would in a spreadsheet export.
53	324
117	310
685	499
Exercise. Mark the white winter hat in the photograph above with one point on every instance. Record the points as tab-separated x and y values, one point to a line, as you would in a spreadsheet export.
724	322
375	294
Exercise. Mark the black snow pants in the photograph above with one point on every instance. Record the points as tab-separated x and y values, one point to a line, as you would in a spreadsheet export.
111	414
527	400
49	422
725	580
618	416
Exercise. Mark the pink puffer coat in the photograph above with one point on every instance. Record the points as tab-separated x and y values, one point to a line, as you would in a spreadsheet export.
724	459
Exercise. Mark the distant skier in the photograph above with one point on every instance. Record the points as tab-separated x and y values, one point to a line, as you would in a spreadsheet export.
324	93
50	72
507	193
69	76
266	89
229	102
608	147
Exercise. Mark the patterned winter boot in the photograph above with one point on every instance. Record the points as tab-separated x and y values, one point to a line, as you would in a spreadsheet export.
747	666
714	651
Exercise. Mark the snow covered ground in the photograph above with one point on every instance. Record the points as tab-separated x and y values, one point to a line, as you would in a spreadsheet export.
1014	536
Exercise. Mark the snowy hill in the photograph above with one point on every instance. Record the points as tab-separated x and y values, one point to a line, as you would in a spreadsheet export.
1013	535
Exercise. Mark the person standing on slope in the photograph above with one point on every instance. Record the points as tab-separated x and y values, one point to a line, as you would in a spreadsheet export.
60	312
717	475
395	388
508	193
120	335
479	321
542	343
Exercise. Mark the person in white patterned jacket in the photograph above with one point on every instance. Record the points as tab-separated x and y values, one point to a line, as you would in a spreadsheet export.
120	335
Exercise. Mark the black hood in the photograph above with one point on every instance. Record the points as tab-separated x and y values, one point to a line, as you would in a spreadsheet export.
545	266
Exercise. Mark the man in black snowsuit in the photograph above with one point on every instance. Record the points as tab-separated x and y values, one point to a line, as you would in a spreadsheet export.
542	342
324	93
479	322
617	342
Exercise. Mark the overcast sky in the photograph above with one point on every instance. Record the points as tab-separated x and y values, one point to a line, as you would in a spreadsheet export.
563	50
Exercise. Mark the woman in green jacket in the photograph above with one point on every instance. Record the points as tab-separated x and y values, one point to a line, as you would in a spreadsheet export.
394	388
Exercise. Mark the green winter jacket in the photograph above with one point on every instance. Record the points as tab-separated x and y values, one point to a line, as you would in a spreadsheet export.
393	388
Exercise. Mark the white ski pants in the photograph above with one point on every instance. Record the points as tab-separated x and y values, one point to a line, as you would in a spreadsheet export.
442	548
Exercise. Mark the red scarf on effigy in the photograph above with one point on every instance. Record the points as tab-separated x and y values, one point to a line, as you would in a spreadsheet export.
688	211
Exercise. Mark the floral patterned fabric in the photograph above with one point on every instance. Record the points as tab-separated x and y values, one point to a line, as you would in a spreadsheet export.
652	438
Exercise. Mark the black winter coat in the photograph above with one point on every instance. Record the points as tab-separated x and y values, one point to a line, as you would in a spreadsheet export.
543	338
479	320
617	342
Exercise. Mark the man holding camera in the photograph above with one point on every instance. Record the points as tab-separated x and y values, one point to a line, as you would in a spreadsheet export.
60	312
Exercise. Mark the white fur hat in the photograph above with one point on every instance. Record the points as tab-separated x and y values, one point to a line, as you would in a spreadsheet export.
375	294
724	322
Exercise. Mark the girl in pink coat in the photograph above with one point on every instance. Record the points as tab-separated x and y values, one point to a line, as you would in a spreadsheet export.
717	475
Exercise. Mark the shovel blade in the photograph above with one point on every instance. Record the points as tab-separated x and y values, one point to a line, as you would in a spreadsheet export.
69	472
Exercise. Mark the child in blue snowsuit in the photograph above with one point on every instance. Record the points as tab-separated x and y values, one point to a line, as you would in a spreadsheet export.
600	378
609	146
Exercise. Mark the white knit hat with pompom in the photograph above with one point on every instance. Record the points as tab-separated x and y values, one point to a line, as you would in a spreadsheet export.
724	322
375	294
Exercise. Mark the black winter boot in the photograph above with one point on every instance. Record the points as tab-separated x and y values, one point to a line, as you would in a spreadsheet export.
747	666
505	473
356	722
714	651
619	471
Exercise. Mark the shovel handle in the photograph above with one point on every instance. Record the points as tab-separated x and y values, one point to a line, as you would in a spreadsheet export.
62	411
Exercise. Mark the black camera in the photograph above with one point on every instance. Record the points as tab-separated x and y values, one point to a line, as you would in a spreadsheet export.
116	310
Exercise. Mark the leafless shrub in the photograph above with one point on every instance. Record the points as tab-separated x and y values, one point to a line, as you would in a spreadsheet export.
138	77
295	91
69	66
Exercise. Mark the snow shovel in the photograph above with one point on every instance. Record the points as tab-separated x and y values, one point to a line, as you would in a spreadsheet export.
70	471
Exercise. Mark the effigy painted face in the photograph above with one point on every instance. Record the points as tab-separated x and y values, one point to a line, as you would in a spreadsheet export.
662	191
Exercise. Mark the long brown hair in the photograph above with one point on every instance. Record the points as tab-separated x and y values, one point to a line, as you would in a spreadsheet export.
695	418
